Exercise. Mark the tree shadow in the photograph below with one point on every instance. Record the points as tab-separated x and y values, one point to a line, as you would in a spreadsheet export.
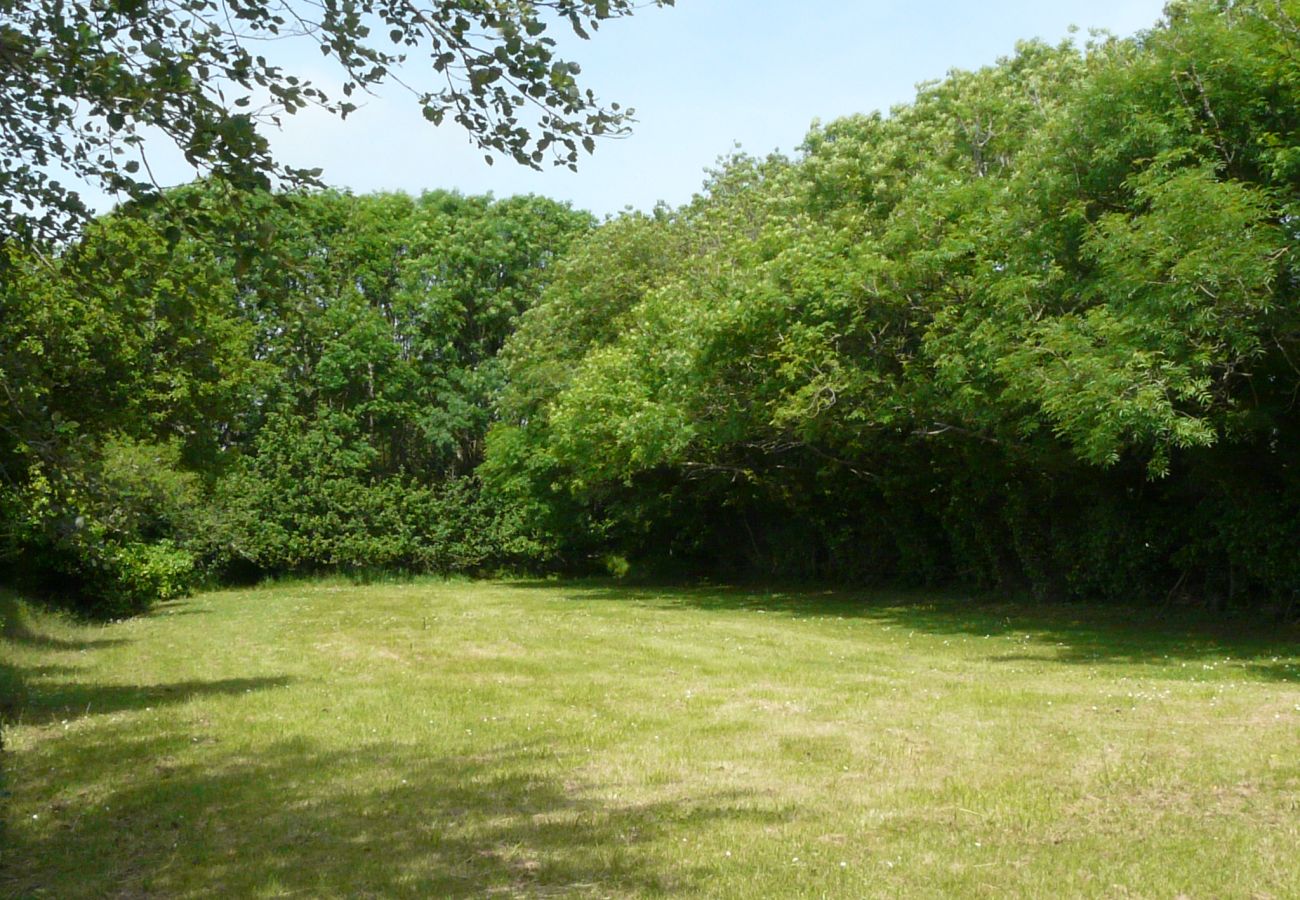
65	701
37	694
16	628
1069	634
381	820
172	608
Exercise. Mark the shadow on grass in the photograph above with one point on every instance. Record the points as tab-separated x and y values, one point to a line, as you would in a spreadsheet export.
173	608
1068	634
382	820
135	811
17	629
50	702
36	694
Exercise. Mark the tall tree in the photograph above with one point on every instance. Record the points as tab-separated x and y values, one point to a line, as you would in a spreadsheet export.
1037	327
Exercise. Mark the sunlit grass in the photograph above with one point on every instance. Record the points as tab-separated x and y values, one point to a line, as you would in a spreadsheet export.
584	740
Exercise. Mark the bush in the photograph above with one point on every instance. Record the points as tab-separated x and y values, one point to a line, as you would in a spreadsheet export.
309	501
140	574
106	532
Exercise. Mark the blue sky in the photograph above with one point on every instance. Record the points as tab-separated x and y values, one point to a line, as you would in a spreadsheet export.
703	76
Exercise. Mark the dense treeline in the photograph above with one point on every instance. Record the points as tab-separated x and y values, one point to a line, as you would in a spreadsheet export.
1037	329
177	406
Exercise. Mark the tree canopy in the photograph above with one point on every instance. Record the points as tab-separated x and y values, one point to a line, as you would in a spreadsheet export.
85	83
1036	330
1025	330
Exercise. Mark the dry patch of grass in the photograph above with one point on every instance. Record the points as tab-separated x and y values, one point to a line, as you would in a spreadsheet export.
330	740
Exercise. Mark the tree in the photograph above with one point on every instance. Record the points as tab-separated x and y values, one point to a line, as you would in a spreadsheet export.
321	405
1036	329
82	82
112	388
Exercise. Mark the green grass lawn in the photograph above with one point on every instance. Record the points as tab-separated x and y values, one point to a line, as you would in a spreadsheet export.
437	739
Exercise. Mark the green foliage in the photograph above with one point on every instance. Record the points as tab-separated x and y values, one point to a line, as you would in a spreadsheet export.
83	82
1000	336
380	319
138	575
307	498
319	405
122	362
1037	330
104	532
